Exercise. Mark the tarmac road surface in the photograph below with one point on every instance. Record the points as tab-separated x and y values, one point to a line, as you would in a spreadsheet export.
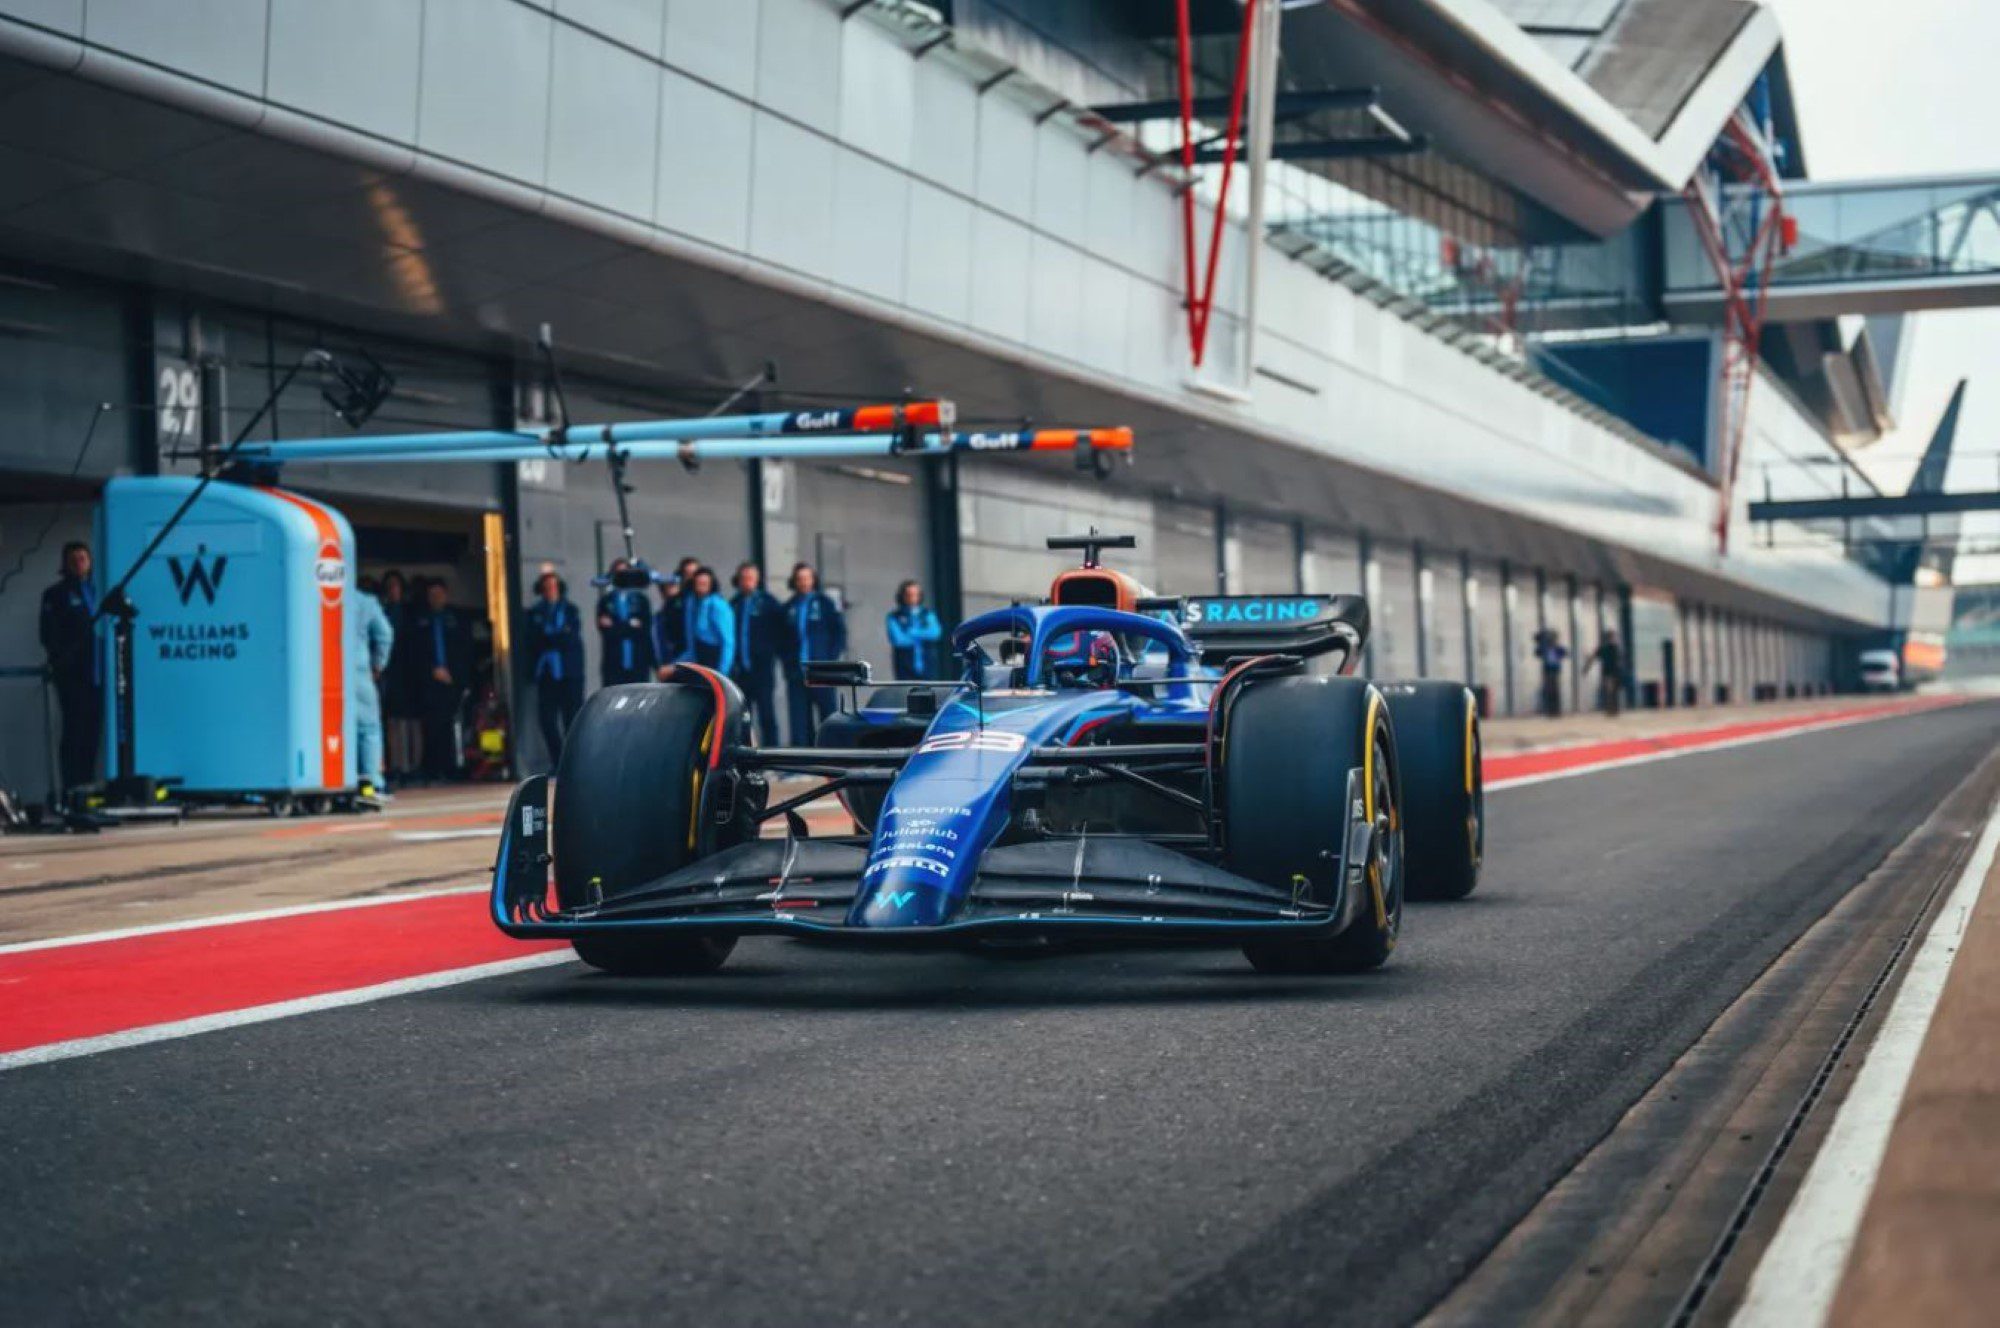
815	1136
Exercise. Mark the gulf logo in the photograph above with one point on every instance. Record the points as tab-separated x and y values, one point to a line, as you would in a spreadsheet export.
330	572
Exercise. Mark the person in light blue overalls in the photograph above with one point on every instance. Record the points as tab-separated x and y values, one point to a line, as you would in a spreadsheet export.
914	633
815	629
624	625
555	645
374	641
708	627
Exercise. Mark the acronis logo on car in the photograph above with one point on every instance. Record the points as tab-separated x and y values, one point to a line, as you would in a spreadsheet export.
1254	610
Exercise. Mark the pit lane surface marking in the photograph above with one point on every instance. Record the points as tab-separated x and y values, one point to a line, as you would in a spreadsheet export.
231	919
73	1000
1515	769
257	1014
155	984
1795	1281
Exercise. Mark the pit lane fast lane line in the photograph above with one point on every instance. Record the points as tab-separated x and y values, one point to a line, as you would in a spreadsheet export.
69	998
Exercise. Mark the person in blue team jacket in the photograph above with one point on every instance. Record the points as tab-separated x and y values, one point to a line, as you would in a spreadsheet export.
555	653
710	628
760	640
914	634
814	629
625	623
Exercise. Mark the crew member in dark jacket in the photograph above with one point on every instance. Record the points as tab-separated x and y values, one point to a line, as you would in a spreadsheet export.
555	646
625	625
1609	660
760	640
670	620
815	629
402	682
444	646
914	634
76	665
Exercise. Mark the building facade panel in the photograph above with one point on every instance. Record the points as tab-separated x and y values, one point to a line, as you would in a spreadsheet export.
355	63
484	95
707	151
639	24
604	122
715	43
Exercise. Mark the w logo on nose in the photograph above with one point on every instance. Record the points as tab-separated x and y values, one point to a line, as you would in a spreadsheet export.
196	575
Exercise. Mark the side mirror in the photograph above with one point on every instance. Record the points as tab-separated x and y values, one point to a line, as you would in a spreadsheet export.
837	673
920	703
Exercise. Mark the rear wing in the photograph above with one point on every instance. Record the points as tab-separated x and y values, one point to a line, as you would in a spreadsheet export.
1228	627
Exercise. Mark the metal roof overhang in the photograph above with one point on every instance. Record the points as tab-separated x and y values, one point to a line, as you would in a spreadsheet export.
1487	94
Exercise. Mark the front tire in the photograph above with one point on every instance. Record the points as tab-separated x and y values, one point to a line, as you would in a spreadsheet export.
625	808
1288	747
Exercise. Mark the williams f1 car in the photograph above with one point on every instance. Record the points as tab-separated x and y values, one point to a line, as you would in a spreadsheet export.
1110	767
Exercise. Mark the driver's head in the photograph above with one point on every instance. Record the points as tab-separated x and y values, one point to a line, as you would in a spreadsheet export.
1083	659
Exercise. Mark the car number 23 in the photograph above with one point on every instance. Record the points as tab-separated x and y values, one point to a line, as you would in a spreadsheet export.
973	740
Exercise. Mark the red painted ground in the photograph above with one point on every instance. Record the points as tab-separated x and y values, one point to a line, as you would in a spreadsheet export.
1500	768
99	987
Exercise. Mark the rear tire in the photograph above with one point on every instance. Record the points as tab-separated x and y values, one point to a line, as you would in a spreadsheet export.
624	816
1444	790
1289	745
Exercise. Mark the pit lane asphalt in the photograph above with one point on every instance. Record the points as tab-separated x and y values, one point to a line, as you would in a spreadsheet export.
818	1136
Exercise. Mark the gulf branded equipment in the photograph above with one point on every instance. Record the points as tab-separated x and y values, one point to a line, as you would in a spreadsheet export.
1110	766
234	681
230	655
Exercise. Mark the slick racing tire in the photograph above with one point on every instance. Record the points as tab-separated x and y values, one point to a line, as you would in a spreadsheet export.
1444	792
624	815
1288	746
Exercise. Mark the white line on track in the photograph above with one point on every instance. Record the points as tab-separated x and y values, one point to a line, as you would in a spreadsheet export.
1795	1281
1691	749
431	836
257	1014
230	919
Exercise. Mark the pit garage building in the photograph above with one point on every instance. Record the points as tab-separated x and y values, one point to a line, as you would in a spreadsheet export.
1484	364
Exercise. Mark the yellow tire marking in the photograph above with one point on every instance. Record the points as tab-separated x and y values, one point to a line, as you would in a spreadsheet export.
694	784
1471	722
1375	887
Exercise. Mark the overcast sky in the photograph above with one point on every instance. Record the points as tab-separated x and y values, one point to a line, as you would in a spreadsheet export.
1912	88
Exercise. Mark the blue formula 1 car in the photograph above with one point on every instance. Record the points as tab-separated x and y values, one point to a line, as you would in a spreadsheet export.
1111	767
